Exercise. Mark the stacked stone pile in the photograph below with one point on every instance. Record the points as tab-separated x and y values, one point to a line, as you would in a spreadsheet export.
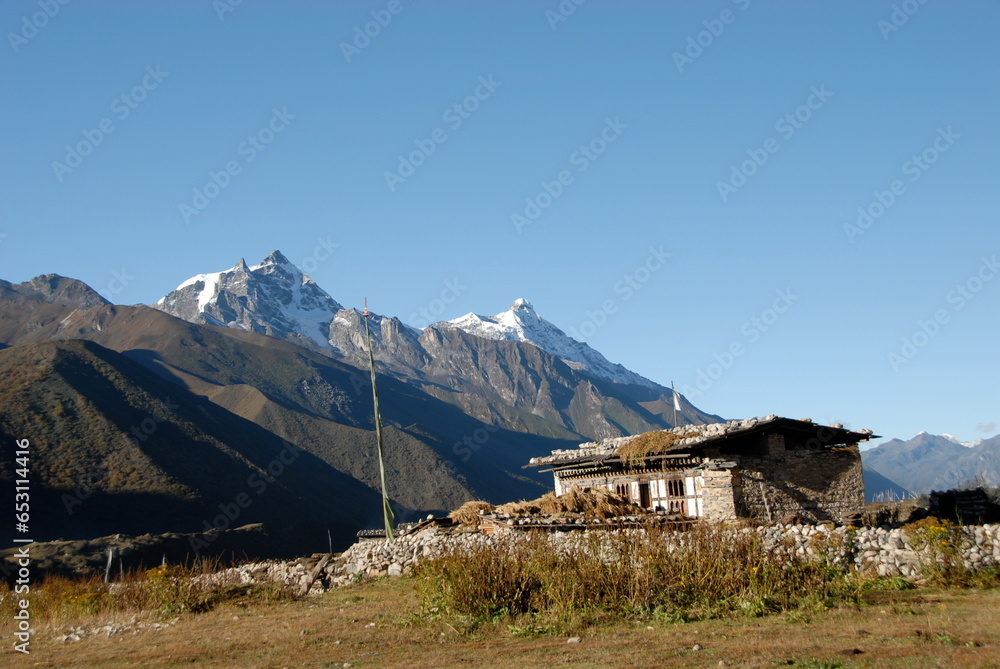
297	574
868	549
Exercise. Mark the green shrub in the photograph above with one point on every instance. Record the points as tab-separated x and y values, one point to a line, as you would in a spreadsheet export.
943	542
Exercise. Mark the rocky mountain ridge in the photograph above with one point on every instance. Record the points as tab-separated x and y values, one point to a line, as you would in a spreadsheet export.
514	368
522	323
274	298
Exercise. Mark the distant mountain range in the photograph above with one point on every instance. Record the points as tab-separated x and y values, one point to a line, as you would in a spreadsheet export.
935	462
514	368
276	298
260	362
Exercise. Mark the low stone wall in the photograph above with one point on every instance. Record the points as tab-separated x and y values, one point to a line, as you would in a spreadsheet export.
882	551
873	550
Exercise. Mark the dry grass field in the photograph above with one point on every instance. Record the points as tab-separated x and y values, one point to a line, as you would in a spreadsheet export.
379	624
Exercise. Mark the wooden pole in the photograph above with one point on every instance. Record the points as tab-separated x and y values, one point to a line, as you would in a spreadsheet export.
767	508
386	508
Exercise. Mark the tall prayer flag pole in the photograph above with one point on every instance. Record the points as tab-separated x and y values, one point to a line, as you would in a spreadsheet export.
386	509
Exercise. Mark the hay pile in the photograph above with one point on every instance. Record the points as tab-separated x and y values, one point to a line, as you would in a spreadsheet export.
595	503
637	450
468	513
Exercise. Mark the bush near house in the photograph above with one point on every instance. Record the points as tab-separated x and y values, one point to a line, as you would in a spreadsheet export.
705	575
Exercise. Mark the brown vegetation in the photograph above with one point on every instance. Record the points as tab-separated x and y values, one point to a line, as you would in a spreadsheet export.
161	590
647	444
468	513
709	573
593	503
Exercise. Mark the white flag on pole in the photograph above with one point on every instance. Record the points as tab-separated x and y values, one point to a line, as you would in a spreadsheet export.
677	401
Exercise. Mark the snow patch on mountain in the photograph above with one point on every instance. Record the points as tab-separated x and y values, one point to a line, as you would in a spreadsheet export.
522	323
968	444
206	292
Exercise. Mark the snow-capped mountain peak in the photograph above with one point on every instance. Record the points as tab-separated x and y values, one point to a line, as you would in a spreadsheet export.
275	262
516	324
522	323
521	303
274	297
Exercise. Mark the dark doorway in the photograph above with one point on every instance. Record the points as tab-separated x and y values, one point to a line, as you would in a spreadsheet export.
644	499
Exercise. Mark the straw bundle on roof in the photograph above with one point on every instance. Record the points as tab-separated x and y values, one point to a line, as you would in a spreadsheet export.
468	513
595	503
647	444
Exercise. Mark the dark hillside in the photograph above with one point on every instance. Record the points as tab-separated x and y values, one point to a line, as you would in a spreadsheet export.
115	448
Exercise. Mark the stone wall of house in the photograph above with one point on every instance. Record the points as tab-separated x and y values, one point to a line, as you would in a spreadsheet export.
720	490
872	550
815	484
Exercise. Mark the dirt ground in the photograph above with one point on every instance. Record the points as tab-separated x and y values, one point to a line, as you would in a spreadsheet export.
376	625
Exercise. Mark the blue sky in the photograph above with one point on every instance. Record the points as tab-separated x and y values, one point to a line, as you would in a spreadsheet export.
740	138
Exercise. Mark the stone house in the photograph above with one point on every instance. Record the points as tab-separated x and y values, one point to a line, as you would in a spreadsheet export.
768	469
